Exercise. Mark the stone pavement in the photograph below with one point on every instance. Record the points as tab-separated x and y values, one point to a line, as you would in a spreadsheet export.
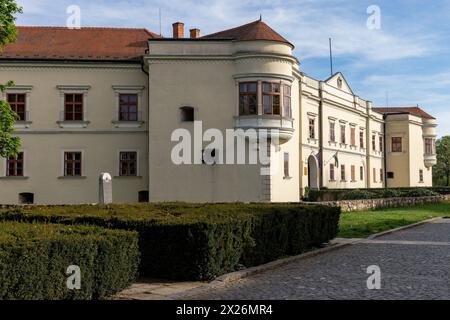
414	264
155	289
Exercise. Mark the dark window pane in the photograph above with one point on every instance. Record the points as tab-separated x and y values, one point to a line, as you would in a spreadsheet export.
69	98
243	88
21	98
276	105
266	100
252	87
78	98
266	87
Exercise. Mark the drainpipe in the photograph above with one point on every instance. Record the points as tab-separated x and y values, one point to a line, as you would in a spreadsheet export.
321	182
385	152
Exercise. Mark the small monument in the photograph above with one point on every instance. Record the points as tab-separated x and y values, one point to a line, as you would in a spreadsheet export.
105	189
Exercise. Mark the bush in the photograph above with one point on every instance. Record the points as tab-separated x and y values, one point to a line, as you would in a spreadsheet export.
357	195
202	241
34	259
419	193
390	193
347	194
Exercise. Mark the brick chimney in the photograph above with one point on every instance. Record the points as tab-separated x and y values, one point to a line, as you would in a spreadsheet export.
178	30
195	33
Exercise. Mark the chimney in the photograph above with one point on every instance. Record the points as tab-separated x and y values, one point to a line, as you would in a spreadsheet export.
178	30
195	33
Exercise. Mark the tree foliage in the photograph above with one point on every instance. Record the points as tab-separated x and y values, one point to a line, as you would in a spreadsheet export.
442	169
9	145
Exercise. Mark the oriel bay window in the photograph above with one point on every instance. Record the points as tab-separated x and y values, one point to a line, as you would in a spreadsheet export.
128	163
287	113
128	107
14	166
17	102
429	147
72	164
271	98
73	107
248	98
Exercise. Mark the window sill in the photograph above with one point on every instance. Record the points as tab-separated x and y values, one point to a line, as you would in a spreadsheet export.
128	124
72	177
343	180
22	124
332	143
287	178
127	177
331	180
14	178
312	140
73	124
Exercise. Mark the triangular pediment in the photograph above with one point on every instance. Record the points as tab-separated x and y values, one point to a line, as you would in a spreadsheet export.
338	81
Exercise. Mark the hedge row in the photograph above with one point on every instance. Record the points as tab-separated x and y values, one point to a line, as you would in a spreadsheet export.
197	242
356	194
34	259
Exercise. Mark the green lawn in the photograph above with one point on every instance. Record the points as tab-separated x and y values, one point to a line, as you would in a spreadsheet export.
364	223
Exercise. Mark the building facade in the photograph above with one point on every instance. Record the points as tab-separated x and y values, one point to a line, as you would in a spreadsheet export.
115	100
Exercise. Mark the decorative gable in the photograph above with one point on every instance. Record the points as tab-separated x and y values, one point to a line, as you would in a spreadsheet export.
338	81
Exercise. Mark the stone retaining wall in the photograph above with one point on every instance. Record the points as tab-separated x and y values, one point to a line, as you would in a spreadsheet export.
371	204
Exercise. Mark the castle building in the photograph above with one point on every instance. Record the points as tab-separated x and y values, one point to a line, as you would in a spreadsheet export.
99	100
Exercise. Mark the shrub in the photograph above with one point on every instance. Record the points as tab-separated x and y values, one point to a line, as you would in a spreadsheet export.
357	195
202	241
34	259
391	193
419	193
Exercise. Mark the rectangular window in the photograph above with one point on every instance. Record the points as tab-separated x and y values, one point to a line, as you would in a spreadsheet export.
248	98
353	173
374	175
312	128
17	102
332	132
352	136
271	98
287	101
361	173
342	133
14	166
72	164
128	107
286	165
343	173
128	163
381	143
361	139
73	107
397	144
381	175
429	147
374	143
390	175
420	175
332	178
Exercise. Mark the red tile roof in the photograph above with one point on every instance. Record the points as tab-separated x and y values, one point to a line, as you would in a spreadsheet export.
60	43
411	110
256	30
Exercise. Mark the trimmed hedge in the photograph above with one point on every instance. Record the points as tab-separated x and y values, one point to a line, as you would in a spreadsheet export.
202	241
356	194
34	259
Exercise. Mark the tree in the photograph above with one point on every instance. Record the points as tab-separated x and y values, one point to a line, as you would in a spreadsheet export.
9	145
442	169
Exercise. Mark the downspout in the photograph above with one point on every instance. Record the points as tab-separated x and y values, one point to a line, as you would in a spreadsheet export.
385	152
321	167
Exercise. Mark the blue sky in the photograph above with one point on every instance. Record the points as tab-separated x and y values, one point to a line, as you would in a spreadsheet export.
405	63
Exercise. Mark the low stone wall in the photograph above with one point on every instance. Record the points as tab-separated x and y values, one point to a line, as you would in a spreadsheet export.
372	204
